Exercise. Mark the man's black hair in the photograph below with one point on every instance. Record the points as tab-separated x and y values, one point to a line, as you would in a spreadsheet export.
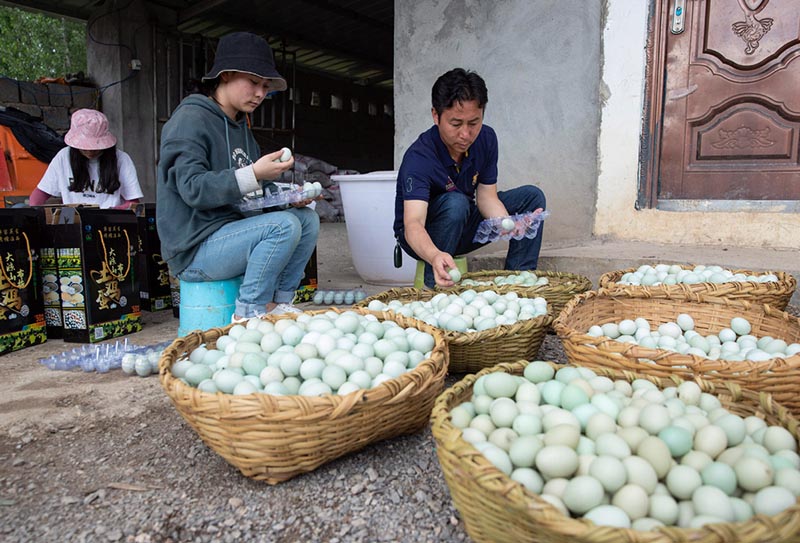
458	85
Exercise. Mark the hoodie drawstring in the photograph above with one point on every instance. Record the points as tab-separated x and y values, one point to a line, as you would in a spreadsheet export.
228	143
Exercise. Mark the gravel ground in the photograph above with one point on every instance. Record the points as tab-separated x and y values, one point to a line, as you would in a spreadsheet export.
140	474
147	478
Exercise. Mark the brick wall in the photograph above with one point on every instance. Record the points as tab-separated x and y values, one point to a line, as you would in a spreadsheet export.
52	102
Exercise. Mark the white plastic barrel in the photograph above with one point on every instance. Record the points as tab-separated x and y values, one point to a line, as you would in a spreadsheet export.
368	201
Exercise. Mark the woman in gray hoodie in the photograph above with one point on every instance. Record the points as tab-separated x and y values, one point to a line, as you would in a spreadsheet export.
209	159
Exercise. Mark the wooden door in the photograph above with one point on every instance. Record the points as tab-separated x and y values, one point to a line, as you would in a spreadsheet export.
723	101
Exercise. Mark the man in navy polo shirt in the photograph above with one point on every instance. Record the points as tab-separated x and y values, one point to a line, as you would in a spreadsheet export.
447	184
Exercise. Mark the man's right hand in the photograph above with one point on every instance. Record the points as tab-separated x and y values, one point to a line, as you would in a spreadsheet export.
442	263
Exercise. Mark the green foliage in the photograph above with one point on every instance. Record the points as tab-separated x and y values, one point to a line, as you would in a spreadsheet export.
34	45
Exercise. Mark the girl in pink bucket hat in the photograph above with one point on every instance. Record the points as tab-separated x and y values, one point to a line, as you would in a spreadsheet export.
91	170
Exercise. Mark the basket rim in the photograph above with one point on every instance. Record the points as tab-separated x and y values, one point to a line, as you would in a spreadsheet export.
673	358
784	278
540	273
465	338
444	434
390	390
574	284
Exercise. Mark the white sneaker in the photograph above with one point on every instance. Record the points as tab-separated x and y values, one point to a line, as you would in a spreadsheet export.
281	309
241	320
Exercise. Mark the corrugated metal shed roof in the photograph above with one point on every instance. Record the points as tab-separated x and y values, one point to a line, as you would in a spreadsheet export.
352	39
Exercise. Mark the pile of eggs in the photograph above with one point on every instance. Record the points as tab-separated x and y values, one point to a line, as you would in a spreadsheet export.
314	355
734	343
468	311
627	454
666	274
338	297
523	278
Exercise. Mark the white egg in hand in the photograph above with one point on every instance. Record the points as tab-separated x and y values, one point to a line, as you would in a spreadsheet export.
286	154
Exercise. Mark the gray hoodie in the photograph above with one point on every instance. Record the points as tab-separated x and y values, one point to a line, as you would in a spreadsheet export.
201	148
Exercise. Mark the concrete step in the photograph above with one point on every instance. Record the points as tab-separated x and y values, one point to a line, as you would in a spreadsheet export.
595	257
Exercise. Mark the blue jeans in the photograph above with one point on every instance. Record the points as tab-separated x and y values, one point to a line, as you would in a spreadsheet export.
453	219
271	250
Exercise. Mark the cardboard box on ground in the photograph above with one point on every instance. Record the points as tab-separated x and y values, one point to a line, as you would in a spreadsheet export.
152	271
22	320
95	252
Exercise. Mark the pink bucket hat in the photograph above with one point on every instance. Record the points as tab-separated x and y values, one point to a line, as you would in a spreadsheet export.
89	131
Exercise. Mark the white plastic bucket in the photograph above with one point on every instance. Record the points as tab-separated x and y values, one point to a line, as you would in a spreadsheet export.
368	201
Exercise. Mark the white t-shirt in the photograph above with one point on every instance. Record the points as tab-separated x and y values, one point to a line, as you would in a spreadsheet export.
57	178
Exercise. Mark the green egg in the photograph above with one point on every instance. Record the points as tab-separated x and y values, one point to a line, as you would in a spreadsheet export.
721	476
741	326
423	342
208	385
678	440
572	396
227	379
551	392
180	367
500	385
197	373
252	364
567	374
538	372
383	347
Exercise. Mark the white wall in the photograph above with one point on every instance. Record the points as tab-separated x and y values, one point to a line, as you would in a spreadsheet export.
624	38
540	60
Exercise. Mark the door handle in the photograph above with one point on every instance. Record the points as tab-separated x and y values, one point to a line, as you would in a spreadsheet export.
678	14
676	94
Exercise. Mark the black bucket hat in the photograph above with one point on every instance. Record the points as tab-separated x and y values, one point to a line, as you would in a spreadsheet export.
247	53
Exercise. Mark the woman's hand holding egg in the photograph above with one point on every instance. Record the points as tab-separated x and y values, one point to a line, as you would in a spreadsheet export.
270	166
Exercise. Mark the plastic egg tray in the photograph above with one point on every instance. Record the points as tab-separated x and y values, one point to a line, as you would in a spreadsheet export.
282	197
338	296
526	225
100	358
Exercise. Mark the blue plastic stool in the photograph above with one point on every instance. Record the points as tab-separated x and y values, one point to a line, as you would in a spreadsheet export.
208	304
419	278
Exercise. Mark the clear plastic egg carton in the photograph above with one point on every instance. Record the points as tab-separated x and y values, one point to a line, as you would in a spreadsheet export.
261	200
338	296
99	358
526	225
279	194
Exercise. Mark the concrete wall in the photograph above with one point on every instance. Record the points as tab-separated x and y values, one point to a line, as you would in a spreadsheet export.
624	38
540	60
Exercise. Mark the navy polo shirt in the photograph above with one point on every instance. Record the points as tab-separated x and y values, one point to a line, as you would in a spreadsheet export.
428	170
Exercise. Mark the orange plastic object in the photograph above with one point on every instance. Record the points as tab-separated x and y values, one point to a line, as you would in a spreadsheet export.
24	170
5	174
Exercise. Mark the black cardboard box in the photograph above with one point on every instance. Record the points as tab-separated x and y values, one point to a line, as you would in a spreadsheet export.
22	322
153	273
96	257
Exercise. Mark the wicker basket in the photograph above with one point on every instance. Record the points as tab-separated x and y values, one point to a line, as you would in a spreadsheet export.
775	293
473	351
495	508
779	376
562	286
274	438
